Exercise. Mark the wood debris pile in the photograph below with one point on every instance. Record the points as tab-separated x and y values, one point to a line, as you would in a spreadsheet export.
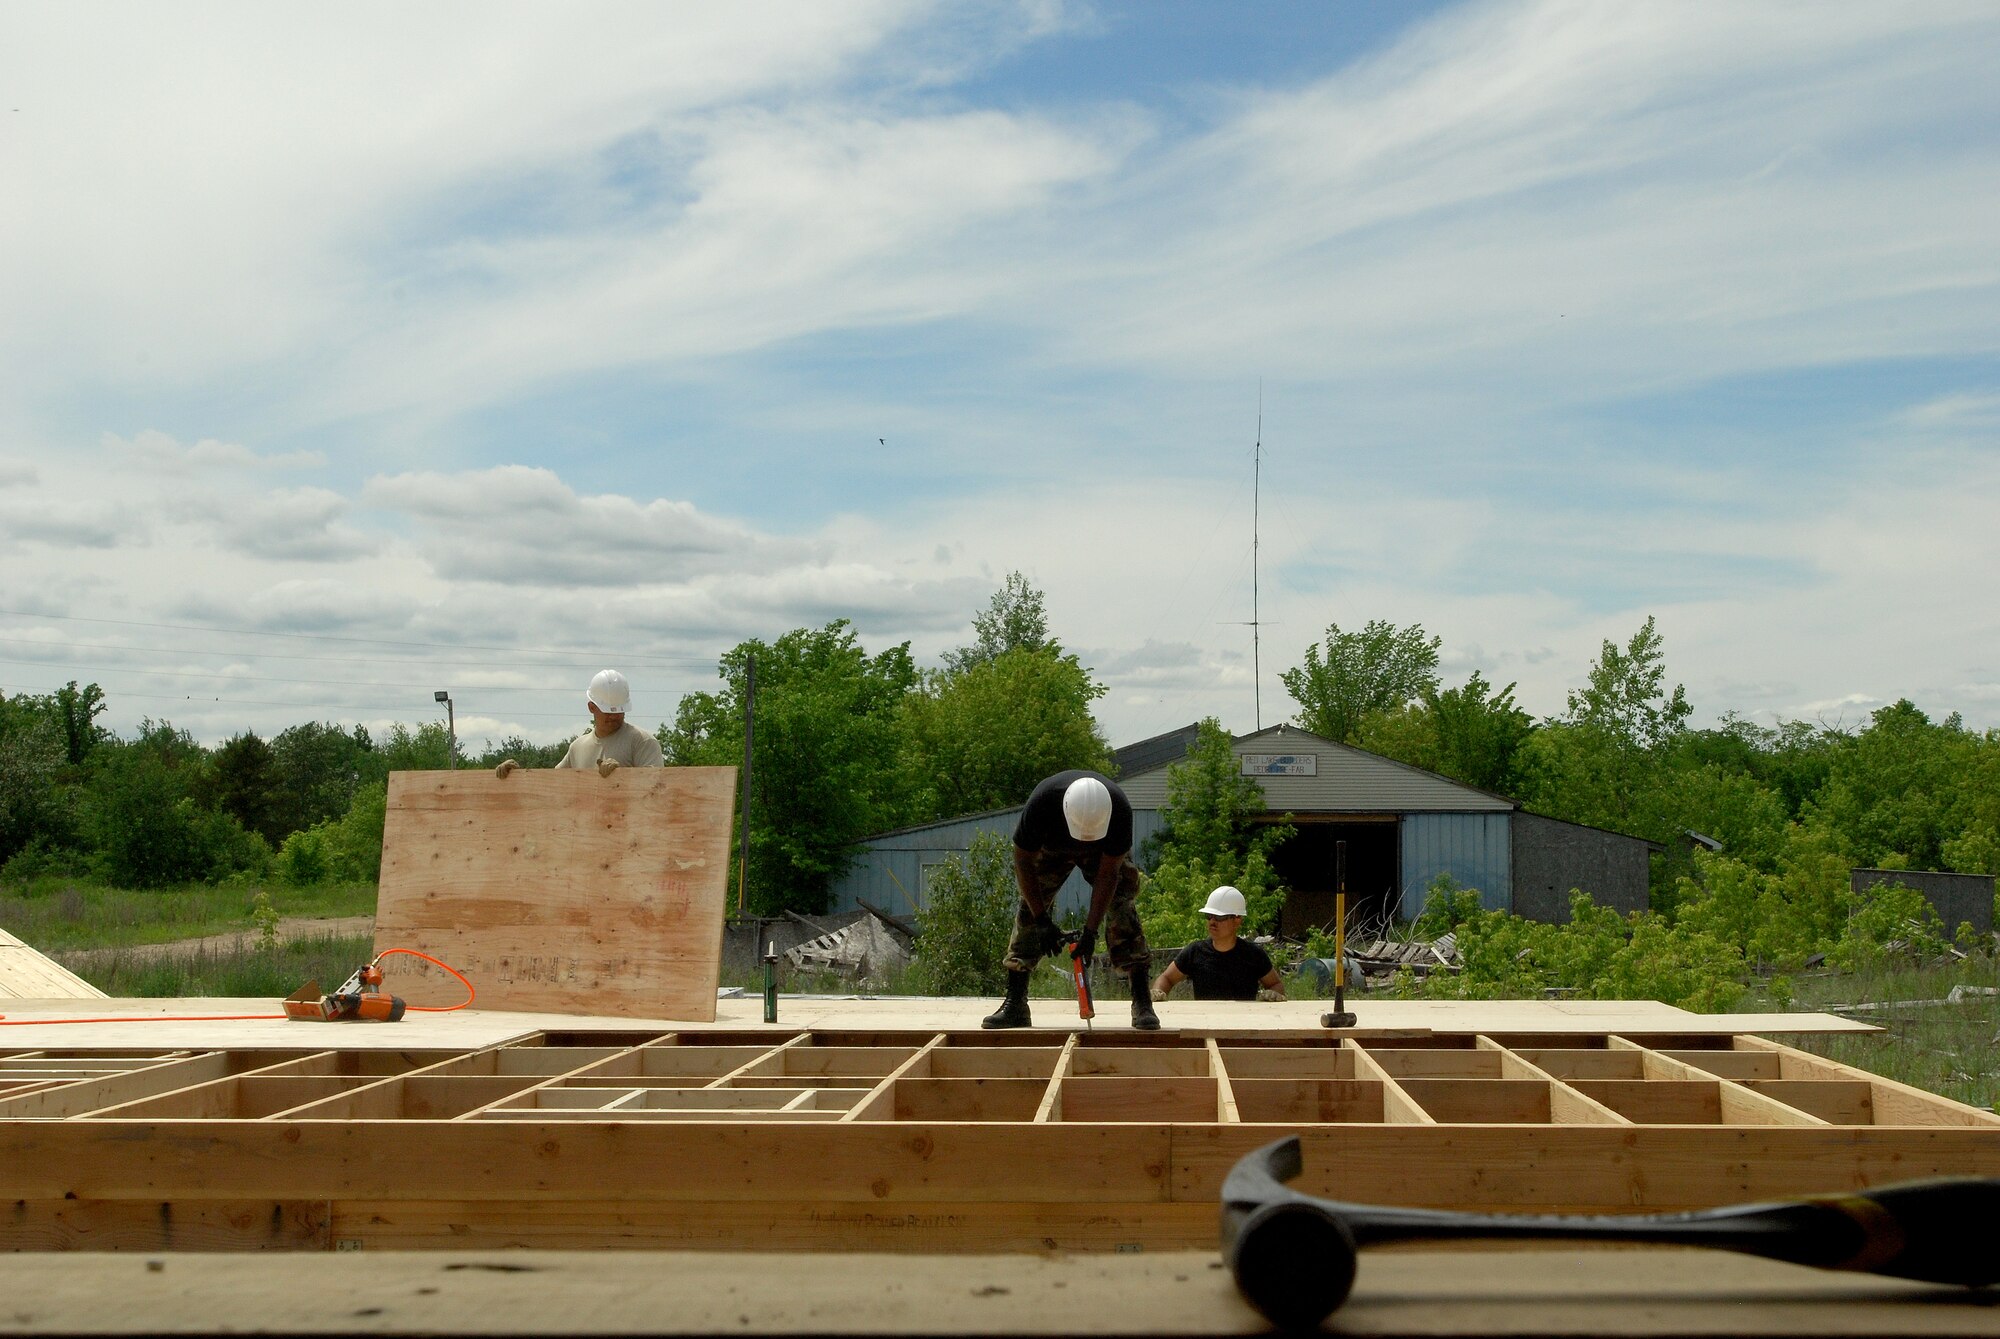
868	949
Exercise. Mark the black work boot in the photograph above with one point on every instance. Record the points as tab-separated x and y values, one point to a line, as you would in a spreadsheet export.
1143	1017
1013	1011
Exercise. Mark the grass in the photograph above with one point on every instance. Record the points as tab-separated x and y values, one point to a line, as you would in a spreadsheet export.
205	971
57	914
1949	1049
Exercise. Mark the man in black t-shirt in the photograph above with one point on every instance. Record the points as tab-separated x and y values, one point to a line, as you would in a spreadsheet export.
1223	967
1075	820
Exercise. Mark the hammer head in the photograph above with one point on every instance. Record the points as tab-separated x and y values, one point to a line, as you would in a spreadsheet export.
1291	1257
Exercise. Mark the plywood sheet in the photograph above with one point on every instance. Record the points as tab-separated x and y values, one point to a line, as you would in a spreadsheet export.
560	891
26	974
1184	1294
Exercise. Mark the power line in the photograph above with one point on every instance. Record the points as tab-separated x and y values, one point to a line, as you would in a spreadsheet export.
576	660
296	706
303	683
358	641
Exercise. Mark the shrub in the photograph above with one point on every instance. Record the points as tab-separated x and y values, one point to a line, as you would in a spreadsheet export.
963	928
302	859
1675	965
354	841
149	833
1885	914
347	849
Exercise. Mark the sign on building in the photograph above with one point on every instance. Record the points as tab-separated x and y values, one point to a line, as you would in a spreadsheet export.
1280	764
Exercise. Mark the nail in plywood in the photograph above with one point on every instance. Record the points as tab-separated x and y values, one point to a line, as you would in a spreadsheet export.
559	891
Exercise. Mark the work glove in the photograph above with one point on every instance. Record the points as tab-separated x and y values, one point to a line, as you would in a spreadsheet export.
1085	947
506	766
606	766
1270	996
1160	992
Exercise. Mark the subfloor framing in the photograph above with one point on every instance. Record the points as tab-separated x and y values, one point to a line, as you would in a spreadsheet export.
828	1139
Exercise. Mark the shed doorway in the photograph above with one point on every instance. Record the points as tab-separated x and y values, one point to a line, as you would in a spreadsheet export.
1306	864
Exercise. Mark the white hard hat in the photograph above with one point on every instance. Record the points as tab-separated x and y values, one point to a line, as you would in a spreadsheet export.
1087	808
609	693
1226	901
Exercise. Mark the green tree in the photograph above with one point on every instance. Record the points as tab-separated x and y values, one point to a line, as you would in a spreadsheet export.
967	917
318	767
981	737
424	749
1479	733
31	761
827	738
1014	620
1380	668
1211	837
1626	698
246	785
1906	786
147	819
530	755
76	711
1605	762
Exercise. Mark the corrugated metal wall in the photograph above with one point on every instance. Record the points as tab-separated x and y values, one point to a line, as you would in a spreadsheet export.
889	870
1472	848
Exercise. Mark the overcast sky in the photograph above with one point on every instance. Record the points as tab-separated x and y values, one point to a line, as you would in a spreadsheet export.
352	352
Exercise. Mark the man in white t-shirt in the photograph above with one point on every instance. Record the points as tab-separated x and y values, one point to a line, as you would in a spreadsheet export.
610	743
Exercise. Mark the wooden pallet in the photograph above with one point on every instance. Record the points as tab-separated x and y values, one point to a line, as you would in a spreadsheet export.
943	1141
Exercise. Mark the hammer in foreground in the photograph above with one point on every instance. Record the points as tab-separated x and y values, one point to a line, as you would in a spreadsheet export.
1293	1255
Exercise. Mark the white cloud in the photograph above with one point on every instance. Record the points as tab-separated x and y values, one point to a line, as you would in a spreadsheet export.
292	523
91	525
1976	412
158	452
350	254
517	524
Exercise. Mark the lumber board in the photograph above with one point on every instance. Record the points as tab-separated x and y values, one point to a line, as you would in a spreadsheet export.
780	1225
1397	1104
560	890
69	1099
132	1225
1183	1294
1584	1168
712	1159
1893	1103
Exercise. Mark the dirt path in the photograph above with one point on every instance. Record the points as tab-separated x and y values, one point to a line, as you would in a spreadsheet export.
289	929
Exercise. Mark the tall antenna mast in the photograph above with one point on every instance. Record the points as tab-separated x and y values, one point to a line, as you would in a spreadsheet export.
1256	499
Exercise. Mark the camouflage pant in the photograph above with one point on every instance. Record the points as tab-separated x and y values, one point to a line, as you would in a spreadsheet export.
1035	938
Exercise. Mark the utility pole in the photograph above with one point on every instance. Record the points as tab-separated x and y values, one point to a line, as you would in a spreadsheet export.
450	726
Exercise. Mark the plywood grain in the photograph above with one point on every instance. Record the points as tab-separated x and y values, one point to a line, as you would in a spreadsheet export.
26	974
560	891
1184	1294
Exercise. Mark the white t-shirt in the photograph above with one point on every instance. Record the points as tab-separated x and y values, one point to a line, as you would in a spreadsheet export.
628	746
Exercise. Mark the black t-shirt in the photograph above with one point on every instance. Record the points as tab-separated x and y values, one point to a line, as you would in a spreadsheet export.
1224	976
1042	826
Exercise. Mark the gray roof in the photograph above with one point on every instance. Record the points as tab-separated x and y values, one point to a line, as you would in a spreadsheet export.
1323	777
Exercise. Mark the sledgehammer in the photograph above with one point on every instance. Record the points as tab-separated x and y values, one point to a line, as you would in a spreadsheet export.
1293	1255
1340	1017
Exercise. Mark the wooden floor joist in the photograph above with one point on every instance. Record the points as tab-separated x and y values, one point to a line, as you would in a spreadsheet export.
844	1139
